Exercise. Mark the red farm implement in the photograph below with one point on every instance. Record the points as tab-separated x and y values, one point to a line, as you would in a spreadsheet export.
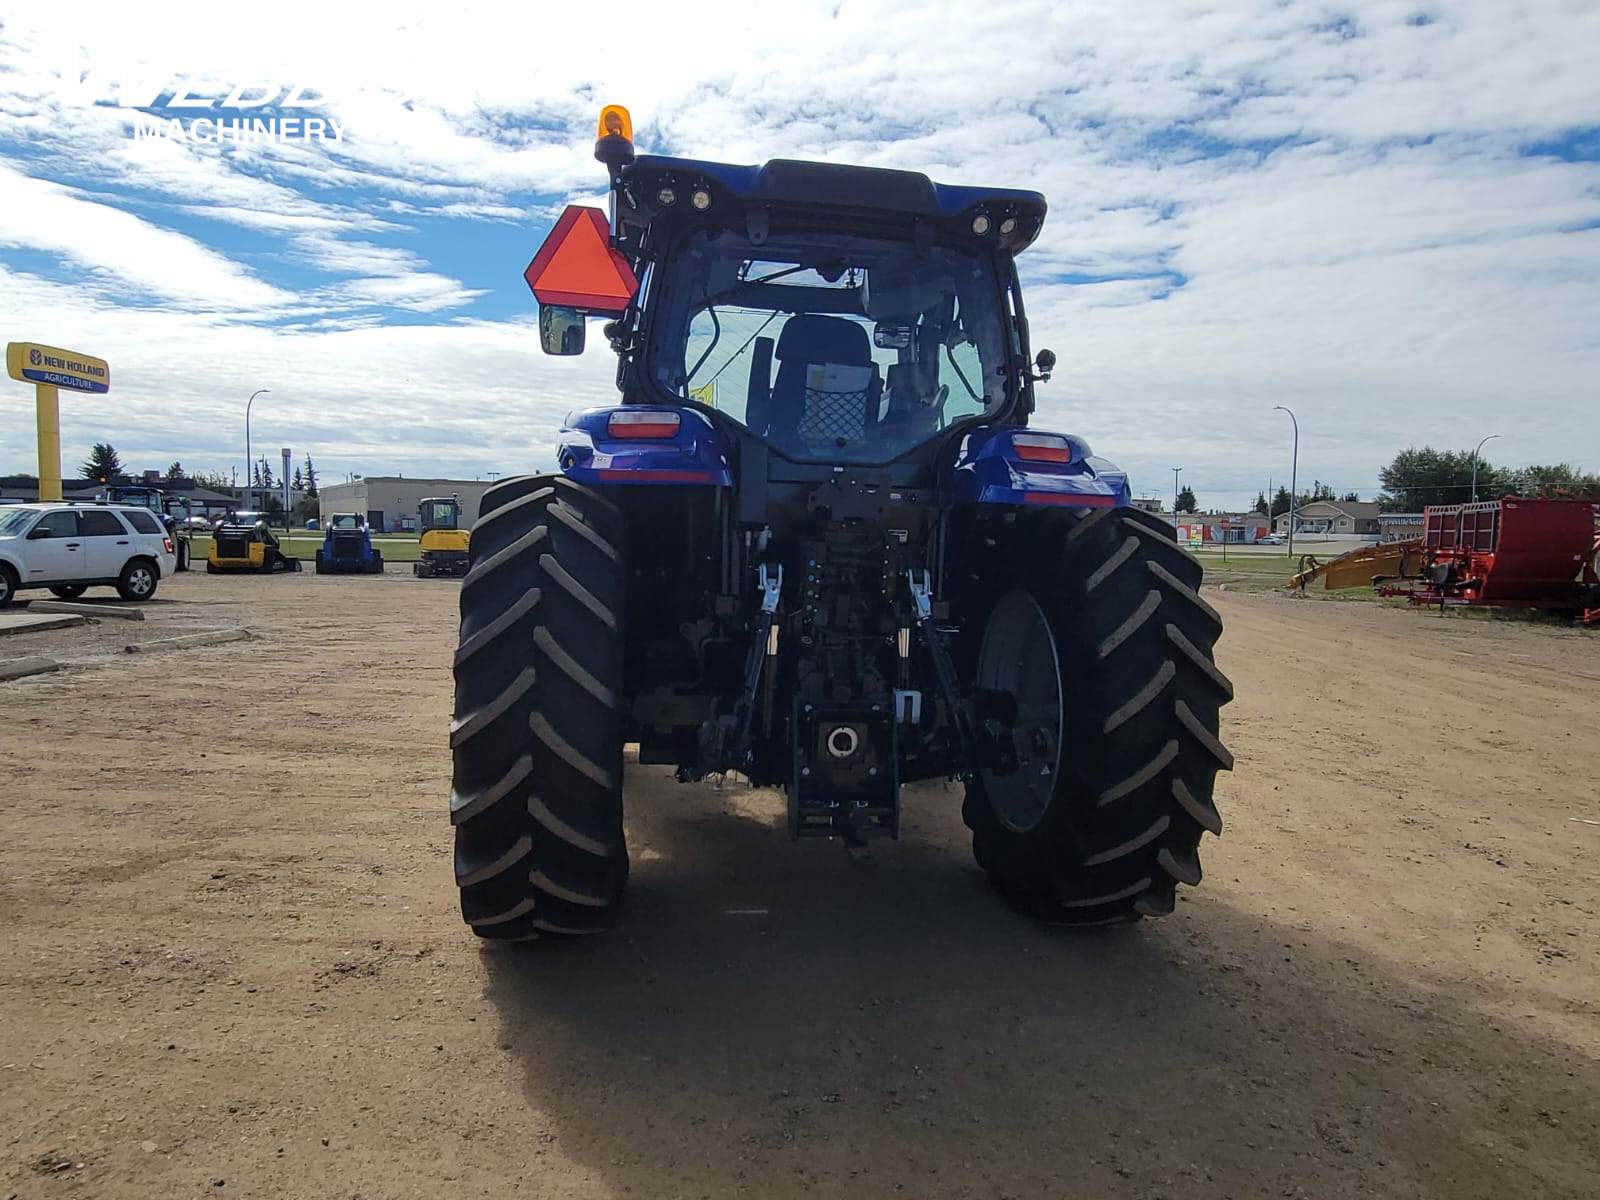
1510	553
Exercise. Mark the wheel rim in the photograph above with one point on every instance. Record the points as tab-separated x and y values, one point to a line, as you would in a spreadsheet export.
140	581
1019	656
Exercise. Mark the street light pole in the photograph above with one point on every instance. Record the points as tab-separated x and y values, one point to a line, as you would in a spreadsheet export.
1175	471
1490	438
1294	470
249	491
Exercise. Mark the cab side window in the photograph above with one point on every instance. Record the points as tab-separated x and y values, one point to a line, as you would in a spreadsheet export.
57	525
100	524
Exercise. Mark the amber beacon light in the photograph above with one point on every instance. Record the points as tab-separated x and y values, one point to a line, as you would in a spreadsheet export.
614	138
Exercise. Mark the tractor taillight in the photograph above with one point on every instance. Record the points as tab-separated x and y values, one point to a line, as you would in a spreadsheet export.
635	425
1042	447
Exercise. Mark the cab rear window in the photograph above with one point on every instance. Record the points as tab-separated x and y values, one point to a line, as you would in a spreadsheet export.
142	521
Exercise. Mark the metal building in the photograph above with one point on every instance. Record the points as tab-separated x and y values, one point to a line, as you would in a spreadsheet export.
389	502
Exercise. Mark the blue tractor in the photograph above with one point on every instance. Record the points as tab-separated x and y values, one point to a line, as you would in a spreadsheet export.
347	548
819	544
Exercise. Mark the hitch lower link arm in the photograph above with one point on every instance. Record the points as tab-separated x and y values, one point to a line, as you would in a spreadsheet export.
770	580
922	602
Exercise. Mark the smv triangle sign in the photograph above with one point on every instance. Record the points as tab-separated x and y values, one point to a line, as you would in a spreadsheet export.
577	268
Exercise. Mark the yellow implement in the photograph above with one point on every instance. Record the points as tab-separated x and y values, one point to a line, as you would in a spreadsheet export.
444	544
243	542
1361	567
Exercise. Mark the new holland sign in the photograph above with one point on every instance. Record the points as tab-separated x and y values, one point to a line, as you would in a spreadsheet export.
54	367
50	368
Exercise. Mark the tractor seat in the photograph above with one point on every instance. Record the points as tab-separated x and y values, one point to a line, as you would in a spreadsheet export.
828	388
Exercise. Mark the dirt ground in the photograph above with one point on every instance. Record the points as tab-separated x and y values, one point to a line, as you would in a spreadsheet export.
234	965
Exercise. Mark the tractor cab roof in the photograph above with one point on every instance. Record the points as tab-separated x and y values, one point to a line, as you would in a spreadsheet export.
692	191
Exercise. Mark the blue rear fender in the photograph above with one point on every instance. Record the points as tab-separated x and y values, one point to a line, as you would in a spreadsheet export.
696	452
1001	465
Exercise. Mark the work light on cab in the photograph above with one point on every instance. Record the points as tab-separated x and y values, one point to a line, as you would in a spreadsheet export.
642	425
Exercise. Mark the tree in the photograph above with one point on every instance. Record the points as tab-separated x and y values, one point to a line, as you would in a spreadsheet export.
264	474
1186	502
1260	506
214	481
1280	502
299	483
175	471
1417	478
1549	480
1351	498
104	463
311	479
1319	491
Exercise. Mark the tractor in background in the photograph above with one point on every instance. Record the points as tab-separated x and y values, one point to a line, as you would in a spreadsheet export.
818	543
245	542
156	501
444	544
347	548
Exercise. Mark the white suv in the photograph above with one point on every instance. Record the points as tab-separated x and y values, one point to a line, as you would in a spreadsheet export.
71	547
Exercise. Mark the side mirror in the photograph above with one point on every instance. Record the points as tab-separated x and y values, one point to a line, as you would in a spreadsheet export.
37	532
560	330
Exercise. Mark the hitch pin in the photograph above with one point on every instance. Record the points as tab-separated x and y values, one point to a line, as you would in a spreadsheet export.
771	586
921	594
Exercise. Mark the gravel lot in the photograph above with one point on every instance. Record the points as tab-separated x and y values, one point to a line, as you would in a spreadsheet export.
234	964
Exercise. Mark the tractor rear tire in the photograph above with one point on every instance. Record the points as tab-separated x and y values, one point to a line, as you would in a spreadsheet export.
536	740
1118	827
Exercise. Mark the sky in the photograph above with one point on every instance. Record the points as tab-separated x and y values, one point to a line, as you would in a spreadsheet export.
1384	216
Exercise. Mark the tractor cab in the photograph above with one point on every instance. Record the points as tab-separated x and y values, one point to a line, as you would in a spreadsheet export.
440	513
443	545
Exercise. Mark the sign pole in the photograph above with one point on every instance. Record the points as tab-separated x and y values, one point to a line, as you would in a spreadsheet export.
47	403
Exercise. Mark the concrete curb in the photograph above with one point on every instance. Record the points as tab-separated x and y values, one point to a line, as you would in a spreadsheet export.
87	610
42	623
21	668
213	638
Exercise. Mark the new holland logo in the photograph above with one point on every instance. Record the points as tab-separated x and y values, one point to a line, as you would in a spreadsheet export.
34	357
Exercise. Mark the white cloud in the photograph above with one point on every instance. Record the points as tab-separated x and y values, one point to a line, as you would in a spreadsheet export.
1398	270
107	243
463	398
